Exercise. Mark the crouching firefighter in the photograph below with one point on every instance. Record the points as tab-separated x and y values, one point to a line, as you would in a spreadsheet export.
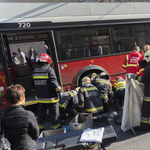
47	91
88	96
145	79
105	89
68	104
119	92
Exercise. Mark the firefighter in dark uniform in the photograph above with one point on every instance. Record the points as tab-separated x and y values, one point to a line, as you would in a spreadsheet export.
146	99
68	104
88	97
105	89
47	91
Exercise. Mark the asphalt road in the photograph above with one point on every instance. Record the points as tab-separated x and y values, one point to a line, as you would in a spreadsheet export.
126	140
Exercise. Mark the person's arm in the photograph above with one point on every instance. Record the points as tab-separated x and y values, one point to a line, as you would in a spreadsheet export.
125	62
81	101
33	126
53	81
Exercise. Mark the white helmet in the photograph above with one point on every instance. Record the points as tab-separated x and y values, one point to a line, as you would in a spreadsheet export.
147	56
102	74
86	80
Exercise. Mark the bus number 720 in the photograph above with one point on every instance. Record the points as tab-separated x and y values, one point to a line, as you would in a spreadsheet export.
24	25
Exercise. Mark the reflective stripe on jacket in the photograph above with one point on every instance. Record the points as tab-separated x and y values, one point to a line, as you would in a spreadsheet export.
104	87
68	98
130	62
119	84
89	99
45	85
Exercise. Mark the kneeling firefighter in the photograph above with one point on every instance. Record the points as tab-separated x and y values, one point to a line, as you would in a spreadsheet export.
105	89
47	91
89	100
68	103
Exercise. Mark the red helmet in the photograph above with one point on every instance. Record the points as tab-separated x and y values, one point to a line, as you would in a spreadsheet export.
45	58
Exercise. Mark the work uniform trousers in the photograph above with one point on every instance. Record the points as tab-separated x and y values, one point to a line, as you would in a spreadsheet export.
119	99
43	114
105	102
145	112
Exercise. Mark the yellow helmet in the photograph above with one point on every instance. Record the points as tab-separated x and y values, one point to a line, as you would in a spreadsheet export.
86	80
147	56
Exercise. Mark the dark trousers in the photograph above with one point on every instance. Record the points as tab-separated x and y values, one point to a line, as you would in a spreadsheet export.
145	114
119	100
53	110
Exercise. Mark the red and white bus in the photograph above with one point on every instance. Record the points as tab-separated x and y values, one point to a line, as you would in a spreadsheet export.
72	32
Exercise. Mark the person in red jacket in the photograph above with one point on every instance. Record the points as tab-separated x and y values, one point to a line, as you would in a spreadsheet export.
130	62
142	62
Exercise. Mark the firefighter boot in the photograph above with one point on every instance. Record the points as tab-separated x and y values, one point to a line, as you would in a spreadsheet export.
142	128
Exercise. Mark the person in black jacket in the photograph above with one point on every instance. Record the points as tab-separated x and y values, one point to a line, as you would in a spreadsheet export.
32	55
47	90
68	103
146	99
88	97
21	128
104	88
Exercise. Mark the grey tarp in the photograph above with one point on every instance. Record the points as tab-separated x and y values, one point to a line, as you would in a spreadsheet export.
132	104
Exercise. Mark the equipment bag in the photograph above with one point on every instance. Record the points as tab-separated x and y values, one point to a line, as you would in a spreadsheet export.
4	143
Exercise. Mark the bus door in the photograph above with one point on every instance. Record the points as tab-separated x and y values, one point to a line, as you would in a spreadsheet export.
22	72
5	78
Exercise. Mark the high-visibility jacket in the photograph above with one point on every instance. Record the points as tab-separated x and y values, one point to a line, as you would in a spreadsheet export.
89	99
141	66
104	87
130	62
68	99
119	85
45	85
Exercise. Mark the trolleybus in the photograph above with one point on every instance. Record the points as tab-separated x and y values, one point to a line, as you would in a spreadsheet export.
82	38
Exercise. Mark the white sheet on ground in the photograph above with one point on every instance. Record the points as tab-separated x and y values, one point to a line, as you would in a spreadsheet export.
92	135
132	104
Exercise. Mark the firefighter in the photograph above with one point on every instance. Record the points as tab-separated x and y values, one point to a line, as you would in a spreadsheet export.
142	62
119	92
68	103
47	91
88	97
130	62
146	99
105	90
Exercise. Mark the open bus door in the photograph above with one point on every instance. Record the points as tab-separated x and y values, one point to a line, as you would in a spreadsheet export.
5	72
21	73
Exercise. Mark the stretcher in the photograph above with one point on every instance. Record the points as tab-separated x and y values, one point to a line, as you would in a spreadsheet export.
70	141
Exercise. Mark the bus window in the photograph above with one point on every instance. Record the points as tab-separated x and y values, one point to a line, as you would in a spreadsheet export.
140	41
72	43
124	45
139	30
122	31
